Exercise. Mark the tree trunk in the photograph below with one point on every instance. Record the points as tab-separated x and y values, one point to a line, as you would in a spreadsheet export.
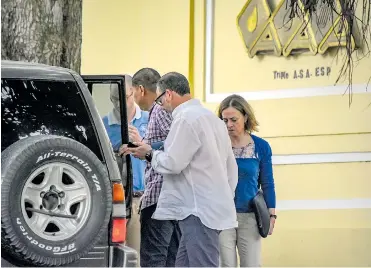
44	31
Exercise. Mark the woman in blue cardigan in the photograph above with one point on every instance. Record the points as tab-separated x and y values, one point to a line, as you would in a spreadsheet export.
253	156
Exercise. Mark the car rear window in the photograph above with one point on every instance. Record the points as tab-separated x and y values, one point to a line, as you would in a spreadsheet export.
39	107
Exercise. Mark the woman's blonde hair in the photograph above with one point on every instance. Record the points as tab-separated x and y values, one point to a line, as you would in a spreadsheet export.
241	105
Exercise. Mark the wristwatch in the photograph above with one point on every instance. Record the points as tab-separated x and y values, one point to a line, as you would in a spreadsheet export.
148	156
273	216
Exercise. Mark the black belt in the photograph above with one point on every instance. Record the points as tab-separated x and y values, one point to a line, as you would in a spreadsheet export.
138	194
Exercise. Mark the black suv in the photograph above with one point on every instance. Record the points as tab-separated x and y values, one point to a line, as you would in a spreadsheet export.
64	201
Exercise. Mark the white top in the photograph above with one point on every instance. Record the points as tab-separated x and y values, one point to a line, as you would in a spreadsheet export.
200	170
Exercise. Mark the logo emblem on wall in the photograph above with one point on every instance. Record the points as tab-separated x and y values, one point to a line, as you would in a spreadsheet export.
267	32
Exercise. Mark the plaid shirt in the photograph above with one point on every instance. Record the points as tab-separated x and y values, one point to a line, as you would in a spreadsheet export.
157	130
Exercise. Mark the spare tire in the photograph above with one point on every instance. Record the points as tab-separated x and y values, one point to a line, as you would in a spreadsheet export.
56	201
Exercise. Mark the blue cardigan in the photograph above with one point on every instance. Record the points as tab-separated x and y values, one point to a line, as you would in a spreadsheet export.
255	173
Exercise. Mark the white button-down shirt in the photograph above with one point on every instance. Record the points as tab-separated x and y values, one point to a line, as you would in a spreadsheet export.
200	170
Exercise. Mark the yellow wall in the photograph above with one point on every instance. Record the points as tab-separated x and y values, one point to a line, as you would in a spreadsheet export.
121	36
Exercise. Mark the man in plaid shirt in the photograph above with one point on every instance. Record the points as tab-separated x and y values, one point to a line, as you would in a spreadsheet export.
159	238
157	130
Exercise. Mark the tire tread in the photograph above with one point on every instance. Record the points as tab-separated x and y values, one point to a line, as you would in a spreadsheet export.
11	243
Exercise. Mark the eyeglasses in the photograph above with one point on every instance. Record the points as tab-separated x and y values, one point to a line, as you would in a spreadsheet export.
131	94
158	100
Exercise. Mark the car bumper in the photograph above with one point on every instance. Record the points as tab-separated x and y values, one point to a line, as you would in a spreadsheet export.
122	256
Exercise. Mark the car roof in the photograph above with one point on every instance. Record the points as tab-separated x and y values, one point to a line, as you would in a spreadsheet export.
31	70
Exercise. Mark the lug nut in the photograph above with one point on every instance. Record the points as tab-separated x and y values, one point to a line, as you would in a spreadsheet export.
42	194
61	194
52	187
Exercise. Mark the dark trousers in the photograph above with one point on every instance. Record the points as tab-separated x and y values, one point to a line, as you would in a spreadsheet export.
199	245
159	240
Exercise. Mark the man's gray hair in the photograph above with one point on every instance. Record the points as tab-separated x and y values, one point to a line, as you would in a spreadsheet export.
175	82
114	92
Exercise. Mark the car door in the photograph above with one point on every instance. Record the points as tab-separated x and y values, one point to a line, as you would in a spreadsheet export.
100	87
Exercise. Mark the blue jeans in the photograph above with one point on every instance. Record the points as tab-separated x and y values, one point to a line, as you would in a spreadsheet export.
159	240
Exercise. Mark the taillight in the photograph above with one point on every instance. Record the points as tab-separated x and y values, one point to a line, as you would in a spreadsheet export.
118	230
118	194
118	234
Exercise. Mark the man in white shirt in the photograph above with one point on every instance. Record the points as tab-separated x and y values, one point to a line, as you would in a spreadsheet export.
200	173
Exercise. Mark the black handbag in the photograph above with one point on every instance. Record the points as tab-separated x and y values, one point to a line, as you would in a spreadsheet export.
262	214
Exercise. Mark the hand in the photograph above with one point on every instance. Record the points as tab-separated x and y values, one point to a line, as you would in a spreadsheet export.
138	152
273	221
134	135
124	150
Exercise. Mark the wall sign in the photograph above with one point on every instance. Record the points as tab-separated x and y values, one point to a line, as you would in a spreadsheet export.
271	32
302	73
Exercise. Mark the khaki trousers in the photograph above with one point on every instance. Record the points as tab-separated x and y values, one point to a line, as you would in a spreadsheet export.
246	239
133	228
